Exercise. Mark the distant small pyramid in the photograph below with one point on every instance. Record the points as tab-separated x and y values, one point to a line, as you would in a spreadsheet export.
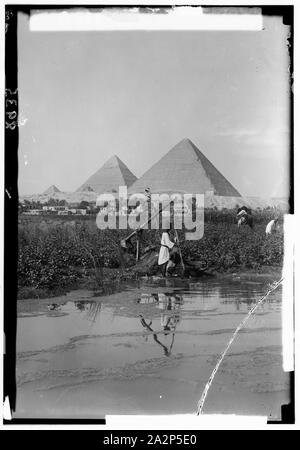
51	190
185	169
109	177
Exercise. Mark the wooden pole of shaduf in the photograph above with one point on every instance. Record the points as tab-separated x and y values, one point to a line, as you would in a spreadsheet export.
123	241
137	247
179	248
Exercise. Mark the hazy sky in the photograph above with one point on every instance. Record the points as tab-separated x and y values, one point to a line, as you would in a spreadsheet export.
89	95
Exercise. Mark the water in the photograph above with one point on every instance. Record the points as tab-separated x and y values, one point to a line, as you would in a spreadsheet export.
150	349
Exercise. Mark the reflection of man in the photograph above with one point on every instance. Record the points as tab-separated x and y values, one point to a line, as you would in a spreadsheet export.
146	325
80	305
162	301
148	298
171	322
169	303
168	321
164	320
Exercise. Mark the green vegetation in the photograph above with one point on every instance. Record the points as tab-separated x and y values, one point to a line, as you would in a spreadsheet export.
56	254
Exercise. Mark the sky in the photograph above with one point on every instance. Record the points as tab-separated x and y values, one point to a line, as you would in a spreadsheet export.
84	96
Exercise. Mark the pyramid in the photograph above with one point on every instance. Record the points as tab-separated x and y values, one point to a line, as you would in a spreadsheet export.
185	169
109	177
51	190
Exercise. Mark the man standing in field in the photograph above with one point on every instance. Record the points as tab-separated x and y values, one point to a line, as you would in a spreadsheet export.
271	227
148	194
244	216
164	253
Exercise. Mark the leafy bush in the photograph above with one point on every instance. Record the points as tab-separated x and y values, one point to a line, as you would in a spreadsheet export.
55	253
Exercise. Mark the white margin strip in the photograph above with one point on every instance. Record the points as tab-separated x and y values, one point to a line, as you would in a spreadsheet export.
288	294
122	19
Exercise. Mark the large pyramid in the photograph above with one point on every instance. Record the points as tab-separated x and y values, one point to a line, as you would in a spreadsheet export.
51	190
185	169
109	177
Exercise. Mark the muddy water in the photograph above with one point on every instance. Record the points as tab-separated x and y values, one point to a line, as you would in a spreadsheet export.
150	348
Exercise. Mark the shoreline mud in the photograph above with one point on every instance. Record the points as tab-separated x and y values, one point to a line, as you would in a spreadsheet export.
113	277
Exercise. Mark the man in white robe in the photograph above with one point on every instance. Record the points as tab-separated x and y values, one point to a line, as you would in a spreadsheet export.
271	227
164	253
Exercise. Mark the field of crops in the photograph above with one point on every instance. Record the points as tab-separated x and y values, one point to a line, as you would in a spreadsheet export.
58	252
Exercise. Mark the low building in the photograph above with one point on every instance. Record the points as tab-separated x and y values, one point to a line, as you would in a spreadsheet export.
33	212
81	211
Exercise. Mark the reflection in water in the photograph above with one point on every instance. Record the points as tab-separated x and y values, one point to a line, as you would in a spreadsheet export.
166	302
82	306
106	358
92	309
147	299
54	306
205	291
167	351
249	298
236	301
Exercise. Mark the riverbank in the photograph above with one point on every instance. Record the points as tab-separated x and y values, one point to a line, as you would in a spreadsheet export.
114	277
57	257
86	280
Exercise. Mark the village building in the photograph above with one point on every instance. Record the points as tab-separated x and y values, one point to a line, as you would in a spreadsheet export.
33	212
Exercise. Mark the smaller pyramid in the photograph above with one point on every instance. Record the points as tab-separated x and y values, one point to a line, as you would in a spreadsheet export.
109	177
51	190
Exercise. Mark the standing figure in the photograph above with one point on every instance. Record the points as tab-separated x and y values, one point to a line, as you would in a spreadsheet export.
164	253
244	217
271	227
148	194
241	216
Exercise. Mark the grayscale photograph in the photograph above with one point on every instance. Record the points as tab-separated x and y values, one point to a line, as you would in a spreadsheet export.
154	186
